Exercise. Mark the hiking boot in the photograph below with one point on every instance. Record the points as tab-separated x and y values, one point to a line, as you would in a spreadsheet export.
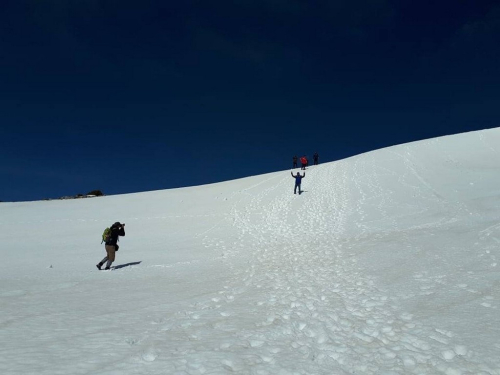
107	268
99	265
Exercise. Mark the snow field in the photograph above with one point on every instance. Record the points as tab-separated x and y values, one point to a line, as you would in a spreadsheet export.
386	264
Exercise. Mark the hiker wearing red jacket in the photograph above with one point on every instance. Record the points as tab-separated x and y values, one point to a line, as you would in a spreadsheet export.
303	162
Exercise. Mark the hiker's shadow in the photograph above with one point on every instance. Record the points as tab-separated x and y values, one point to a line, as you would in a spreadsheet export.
126	265
302	192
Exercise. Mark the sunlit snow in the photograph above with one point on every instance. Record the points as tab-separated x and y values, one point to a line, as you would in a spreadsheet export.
386	264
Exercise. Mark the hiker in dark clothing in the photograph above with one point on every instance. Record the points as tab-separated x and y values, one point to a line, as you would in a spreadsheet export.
315	158
295	161
298	180
117	229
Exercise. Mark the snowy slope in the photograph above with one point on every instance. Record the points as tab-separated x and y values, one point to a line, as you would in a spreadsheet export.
386	264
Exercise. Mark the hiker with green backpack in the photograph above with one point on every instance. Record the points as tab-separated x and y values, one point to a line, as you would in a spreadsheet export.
110	238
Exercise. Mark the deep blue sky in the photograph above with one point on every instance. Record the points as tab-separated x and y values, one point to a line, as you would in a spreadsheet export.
128	96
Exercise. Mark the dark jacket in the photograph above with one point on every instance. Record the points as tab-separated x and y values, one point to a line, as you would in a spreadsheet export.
113	237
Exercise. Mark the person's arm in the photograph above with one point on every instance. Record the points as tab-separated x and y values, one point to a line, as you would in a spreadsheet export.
292	174
122	231
304	175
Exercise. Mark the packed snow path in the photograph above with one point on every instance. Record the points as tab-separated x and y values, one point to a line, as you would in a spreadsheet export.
386	264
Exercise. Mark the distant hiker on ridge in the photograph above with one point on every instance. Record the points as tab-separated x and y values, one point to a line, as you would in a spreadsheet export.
110	236
315	158
303	162
295	161
298	180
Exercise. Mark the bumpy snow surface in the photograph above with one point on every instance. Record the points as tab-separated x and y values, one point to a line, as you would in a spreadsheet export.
386	264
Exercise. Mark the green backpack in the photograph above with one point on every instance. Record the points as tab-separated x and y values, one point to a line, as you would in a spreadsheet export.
105	235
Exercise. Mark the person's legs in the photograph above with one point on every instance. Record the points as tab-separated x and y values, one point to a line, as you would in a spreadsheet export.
111	255
295	189
300	190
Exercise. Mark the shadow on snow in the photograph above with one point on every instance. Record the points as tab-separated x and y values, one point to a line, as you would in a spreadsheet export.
126	265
